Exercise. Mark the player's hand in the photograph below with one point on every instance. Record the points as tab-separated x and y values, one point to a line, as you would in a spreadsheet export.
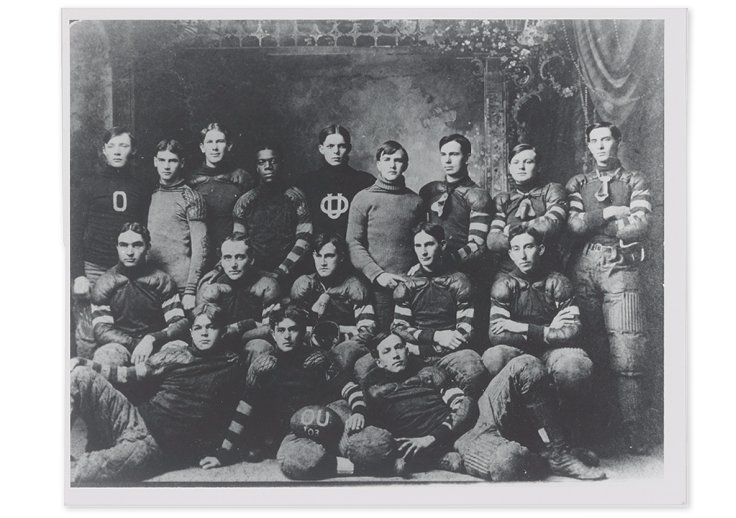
502	325
409	446
565	317
388	280
355	423
616	212
458	340
143	350
81	286
188	301
320	305
444	338
210	462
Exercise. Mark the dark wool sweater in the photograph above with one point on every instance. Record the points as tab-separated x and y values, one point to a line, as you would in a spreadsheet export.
408	405
534	300
194	393
220	192
380	228
129	303
325	189
100	204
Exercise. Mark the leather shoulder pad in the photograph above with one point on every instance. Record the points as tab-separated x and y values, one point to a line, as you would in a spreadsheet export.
559	287
574	183
479	199
302	287
504	286
105	286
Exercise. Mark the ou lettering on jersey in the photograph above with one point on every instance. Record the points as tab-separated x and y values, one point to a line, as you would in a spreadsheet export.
334	205
119	201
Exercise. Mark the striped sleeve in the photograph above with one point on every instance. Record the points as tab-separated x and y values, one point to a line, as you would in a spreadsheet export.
635	226
464	318
117	374
497	240
176	322
304	230
553	220
352	393
403	323
480	220
235	431
579	220
103	326
365	318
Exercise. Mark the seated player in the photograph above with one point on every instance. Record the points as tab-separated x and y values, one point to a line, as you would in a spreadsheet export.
534	312
238	289
278	388
176	221
336	296
136	307
417	404
194	390
518	405
434	312
531	204
220	183
275	218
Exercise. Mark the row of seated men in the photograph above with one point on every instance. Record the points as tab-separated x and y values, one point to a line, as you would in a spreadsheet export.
436	306
428	406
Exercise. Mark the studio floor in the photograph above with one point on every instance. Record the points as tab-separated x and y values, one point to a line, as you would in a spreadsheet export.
622	467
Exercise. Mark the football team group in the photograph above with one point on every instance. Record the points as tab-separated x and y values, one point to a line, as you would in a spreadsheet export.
345	324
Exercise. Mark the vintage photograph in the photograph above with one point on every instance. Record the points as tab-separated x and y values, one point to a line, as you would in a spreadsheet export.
309	252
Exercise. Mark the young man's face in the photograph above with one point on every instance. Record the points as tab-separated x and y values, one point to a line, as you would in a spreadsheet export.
131	248
602	146
392	166
287	334
454	161
168	165
335	149
117	150
267	164
326	260
392	354
234	259
525	252
214	146
523	167
204	333
428	250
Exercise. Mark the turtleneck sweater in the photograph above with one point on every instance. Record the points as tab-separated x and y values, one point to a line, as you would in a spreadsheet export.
100	204
380	225
330	191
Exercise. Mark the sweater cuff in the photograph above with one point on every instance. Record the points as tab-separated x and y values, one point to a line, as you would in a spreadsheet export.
226	457
535	333
158	339
595	218
426	337
372	271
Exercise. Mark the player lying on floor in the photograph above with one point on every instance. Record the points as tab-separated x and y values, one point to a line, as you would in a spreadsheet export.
294	375
194	388
417	405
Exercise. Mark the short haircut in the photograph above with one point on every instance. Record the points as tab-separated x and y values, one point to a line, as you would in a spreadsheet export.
237	237
334	129
171	145
215	313
520	148
267	144
293	312
389	148
341	246
214	126
615	132
433	229
460	139
373	342
116	131
138	228
517	230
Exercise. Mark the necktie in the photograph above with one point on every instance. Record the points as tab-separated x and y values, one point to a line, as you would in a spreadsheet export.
525	210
